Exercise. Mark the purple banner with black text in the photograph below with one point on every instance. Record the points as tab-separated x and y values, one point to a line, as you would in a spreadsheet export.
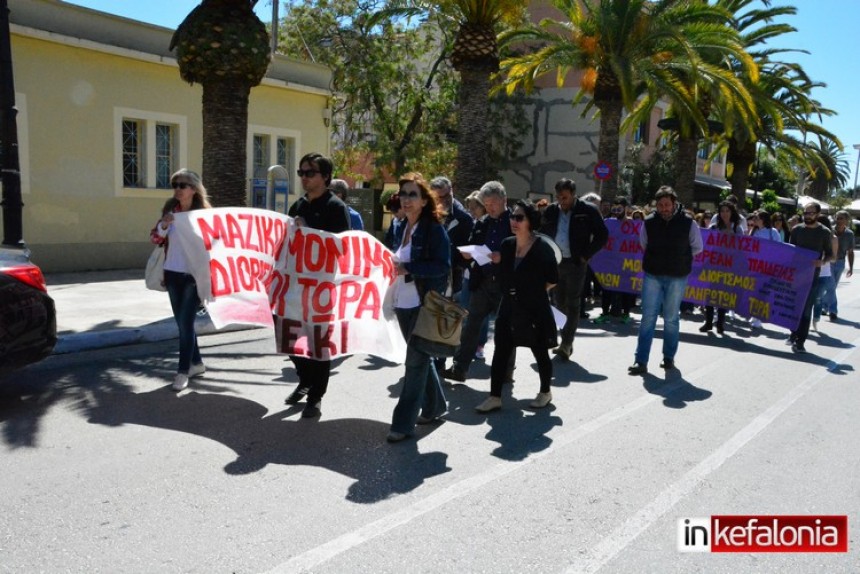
754	277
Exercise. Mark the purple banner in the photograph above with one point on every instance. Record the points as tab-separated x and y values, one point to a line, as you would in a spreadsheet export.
755	277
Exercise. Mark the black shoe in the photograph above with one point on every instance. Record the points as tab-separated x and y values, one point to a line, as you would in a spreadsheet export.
706	327
312	410
798	347
453	374
637	369
720	328
297	395
667	364
834	316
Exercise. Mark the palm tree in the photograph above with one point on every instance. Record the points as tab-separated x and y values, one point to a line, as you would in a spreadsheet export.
781	97
837	172
475	55
223	46
624	48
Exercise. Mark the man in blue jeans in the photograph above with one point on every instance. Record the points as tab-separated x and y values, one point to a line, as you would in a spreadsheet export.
671	240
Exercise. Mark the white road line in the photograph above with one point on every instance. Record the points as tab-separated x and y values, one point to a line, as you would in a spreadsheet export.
324	552
307	560
607	549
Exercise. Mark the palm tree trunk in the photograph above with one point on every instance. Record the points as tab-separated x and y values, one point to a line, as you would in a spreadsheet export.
225	132
473	147
685	169
742	158
607	147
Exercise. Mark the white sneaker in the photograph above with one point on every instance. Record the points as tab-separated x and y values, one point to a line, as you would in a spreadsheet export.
196	370
755	323
479	353
541	400
180	382
490	404
815	326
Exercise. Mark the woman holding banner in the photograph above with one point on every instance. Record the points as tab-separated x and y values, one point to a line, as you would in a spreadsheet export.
423	264
188	194
728	221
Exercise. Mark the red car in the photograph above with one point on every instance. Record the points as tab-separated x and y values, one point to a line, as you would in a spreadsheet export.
28	318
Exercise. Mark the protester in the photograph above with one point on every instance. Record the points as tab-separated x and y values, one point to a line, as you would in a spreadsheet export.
670	240
458	223
762	226
319	209
824	287
528	270
817	238
476	209
579	231
394	233
188	194
616	303
423	264
484	284
729	221
734	199
341	189
778	221
845	237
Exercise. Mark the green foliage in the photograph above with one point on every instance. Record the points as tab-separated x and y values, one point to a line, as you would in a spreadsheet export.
394	92
770	174
640	179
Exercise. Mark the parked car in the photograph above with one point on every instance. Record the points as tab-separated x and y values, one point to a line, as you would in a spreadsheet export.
28	317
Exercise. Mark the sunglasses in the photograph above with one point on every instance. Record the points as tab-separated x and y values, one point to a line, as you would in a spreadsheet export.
181	185
402	194
307	172
518	217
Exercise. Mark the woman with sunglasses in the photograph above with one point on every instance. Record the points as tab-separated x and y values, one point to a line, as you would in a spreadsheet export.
778	221
423	261
528	270
188	194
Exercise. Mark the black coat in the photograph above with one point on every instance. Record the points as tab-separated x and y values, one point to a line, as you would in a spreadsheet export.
525	313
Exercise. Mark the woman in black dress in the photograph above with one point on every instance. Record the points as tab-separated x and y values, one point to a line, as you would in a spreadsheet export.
528	270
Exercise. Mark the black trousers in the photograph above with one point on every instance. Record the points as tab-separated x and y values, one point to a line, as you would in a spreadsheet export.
313	375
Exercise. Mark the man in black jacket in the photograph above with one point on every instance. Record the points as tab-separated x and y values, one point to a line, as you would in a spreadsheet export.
671	239
578	229
319	209
484	281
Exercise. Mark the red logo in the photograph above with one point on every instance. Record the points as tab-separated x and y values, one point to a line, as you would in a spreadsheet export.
764	533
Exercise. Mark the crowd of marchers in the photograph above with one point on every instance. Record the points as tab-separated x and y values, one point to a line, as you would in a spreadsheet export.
538	259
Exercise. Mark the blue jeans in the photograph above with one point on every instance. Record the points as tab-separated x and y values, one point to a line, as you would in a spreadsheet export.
182	290
422	388
825	296
837	268
660	292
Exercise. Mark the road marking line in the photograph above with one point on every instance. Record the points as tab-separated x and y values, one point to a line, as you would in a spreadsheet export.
328	550
607	549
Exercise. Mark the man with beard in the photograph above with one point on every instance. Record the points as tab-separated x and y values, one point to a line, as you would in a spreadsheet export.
815	237
671	240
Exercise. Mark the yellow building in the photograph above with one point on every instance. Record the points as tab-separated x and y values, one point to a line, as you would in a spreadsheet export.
93	89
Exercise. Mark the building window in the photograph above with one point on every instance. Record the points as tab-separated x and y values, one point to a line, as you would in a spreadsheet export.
150	148
165	154
641	133
704	151
132	159
283	151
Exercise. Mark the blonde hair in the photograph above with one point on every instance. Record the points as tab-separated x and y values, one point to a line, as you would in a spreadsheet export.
201	197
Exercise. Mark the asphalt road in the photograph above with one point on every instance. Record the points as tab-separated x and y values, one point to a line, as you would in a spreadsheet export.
105	469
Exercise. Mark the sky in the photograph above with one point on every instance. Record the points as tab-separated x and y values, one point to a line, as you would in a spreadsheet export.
825	28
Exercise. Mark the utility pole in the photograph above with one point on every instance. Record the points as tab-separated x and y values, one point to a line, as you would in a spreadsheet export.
13	233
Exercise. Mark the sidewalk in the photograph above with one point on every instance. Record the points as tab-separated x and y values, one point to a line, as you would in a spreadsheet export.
98	309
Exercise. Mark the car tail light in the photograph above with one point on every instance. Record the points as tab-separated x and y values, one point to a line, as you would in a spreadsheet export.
29	274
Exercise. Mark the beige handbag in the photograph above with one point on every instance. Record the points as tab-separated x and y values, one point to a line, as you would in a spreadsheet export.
154	275
439	325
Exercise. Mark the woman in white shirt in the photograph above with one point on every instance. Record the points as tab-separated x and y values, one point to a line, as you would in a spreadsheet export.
188	194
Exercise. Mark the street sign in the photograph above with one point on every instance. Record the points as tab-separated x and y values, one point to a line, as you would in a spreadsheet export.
602	171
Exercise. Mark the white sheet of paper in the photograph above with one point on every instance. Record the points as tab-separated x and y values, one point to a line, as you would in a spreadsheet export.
560	318
480	253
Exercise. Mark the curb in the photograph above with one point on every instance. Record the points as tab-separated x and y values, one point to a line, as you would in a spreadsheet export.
163	330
